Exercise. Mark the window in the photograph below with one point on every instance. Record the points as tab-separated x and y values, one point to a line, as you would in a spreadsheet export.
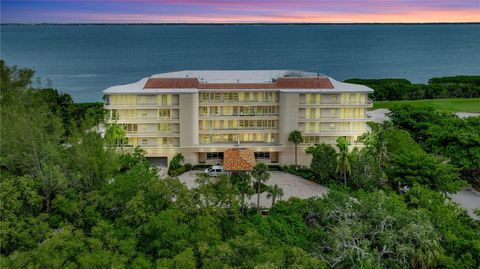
164	113
164	127
214	155
262	155
144	141
130	127
214	110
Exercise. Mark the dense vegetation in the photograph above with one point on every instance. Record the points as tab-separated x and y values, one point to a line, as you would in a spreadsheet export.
71	199
444	134
402	89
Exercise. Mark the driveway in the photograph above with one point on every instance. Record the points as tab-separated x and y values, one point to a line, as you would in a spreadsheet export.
469	199
293	186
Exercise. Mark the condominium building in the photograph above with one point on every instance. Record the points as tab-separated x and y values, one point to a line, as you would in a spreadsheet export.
203	113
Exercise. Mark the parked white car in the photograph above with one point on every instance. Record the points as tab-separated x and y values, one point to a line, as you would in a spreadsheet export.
215	170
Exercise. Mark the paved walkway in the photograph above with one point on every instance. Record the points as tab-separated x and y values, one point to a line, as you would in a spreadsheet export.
469	199
293	186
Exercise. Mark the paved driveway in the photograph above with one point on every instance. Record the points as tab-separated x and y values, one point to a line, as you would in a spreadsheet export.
293	186
469	199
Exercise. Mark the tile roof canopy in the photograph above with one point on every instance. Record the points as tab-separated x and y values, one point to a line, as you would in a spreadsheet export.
171	83
238	159
281	83
193	81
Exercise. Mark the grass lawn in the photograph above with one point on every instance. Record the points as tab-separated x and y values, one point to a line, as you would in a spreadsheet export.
447	105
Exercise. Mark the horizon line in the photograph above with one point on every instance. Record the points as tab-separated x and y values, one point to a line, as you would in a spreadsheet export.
230	23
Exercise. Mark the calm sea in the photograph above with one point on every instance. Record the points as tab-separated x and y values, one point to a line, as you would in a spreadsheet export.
85	59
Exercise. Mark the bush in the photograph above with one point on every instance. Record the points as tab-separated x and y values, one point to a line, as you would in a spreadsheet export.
301	171
188	167
324	162
275	167
200	166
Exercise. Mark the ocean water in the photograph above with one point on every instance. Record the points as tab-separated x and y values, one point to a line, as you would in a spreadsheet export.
83	60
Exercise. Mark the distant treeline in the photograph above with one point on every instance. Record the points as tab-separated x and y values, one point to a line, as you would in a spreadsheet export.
402	89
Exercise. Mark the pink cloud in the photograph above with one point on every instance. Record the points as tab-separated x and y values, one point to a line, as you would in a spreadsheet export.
399	16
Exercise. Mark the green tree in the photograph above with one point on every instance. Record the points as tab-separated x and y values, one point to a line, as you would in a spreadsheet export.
274	192
374	230
296	138
14	78
410	164
365	171
115	135
261	174
376	142
243	184
343	158
175	168
324	162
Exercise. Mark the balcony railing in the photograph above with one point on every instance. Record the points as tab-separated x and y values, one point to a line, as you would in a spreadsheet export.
152	133
332	119
335	103
333	132
141	105
240	128
241	115
142	119
240	101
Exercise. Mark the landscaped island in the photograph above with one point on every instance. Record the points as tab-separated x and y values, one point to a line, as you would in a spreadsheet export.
71	198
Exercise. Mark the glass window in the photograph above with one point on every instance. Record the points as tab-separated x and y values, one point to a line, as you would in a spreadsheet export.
262	155
214	155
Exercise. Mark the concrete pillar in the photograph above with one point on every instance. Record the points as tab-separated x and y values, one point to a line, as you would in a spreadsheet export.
288	121
188	119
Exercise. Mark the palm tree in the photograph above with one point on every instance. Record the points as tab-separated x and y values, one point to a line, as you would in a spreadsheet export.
261	174
243	183
343	158
296	138
376	142
274	192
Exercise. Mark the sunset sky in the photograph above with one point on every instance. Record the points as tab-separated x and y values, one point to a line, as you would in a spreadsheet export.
213	11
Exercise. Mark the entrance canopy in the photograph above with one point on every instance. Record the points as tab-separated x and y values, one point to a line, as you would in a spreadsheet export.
238	159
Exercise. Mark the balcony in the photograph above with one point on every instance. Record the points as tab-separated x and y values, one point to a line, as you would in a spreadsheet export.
141	106
333	132
237	130
240	115
335	104
333	119
152	134
144	120
239	103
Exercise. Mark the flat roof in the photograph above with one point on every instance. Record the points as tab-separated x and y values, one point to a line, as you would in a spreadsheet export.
239	80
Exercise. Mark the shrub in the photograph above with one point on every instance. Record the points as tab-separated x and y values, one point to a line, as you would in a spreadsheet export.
188	167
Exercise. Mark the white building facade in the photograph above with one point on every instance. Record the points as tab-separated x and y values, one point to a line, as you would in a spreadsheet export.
202	113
